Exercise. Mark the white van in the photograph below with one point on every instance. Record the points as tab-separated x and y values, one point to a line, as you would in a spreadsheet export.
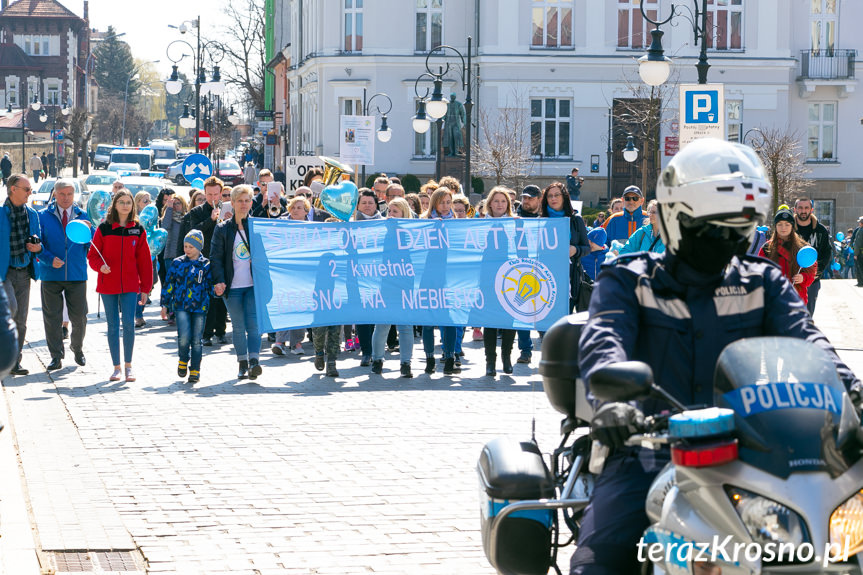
102	156
141	156
164	153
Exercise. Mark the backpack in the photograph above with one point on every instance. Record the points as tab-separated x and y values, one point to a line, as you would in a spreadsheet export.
582	303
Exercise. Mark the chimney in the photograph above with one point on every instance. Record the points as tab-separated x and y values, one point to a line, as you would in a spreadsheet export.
86	9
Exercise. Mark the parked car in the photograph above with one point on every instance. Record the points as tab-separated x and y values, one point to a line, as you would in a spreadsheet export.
229	172
137	184
42	196
96	181
102	155
124	169
174	172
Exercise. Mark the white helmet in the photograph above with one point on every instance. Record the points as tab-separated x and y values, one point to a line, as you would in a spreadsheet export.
714	182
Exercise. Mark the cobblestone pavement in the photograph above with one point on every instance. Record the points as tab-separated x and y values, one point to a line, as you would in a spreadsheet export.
294	474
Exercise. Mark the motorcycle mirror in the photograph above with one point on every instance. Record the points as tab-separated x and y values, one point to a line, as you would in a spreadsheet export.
622	381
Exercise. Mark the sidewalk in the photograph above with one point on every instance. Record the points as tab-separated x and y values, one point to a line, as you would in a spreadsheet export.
295	474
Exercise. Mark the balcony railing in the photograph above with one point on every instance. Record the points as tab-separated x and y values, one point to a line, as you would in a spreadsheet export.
827	64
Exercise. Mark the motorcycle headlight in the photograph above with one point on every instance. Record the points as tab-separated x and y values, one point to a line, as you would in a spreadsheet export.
768	520
846	526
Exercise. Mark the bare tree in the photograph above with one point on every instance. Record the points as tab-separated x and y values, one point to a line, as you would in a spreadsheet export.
784	160
245	64
503	146
80	130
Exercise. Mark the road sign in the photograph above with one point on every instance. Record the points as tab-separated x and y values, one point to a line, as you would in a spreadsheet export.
263	113
265	124
197	166
672	145
203	139
57	134
702	112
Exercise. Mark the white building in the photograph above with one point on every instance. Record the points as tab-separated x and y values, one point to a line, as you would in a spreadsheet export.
787	64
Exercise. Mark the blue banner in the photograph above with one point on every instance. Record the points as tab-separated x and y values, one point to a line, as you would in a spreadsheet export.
502	272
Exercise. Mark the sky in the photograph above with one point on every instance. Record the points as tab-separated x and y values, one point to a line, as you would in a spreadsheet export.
146	24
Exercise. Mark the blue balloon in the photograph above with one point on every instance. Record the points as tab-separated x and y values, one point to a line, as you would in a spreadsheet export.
762	229
341	199
836	266
807	256
157	240
148	217
840	236
98	206
78	232
198	183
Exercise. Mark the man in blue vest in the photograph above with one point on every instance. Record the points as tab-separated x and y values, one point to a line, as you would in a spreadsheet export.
676	311
19	245
64	275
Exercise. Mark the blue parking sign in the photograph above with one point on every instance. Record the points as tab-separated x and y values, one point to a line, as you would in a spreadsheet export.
702	107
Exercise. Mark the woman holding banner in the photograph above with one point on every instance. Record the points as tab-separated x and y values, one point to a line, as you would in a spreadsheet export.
440	208
297	210
556	204
398	208
231	266
498	205
367	209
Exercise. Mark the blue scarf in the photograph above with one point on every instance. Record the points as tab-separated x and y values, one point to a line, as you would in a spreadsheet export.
552	213
435	216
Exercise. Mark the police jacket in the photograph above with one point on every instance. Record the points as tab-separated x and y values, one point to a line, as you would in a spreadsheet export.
55	244
654	308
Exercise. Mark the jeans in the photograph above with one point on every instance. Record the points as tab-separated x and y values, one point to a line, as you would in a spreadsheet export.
525	344
115	305
459	338
190	326
406	341
17	287
244	322
448	341
364	334
812	293
291	337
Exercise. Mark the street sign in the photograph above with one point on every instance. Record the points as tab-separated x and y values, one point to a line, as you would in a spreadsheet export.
296	168
263	113
203	139
265	124
702	112
197	166
57	134
672	145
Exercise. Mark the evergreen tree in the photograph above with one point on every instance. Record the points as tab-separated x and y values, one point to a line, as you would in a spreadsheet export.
114	65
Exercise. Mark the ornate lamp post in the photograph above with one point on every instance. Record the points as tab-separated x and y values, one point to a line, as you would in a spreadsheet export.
654	67
384	133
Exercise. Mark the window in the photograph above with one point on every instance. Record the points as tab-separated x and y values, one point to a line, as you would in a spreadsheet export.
425	144
32	89
52	92
734	120
821	136
823	25
353	25
725	24
38	45
633	31
551	24
429	30
550	127
12	88
825	211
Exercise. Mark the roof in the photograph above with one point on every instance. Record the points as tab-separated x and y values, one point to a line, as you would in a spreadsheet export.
11	121
38	8
12	56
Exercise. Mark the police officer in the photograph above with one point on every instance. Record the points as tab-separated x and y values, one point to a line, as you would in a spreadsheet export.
676	311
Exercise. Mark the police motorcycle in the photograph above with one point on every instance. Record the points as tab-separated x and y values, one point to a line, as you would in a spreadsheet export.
769	481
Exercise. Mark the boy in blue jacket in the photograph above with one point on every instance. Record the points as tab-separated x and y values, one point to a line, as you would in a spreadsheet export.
187	290
591	262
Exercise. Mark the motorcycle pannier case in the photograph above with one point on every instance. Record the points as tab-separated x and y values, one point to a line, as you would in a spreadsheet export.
510	472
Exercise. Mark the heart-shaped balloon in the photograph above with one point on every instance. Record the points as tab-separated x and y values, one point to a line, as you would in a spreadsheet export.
148	217
341	199
157	240
98	206
198	184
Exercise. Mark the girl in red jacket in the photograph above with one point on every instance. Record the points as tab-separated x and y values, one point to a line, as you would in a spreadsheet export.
119	252
782	248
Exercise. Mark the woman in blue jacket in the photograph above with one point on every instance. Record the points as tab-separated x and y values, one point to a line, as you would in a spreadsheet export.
556	204
646	238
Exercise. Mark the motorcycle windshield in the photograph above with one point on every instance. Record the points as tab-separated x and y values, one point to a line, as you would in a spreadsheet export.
787	400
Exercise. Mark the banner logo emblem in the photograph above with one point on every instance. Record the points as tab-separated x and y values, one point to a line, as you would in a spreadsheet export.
526	289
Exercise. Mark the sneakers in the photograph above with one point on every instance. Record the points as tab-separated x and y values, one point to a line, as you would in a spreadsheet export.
477	334
331	369
278	349
130	375
378	366
115	376
525	357
406	369
366	361
319	361
182	368
298	350
194	376
243	372
207	342
353	344
140	322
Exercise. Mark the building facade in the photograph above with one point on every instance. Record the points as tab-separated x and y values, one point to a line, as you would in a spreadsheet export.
567	70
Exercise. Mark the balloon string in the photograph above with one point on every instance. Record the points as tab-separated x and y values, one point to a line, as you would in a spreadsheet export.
100	254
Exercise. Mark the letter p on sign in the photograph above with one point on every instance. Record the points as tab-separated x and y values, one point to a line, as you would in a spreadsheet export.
702	107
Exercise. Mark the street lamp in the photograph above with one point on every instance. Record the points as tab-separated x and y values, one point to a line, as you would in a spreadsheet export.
384	134
233	118
133	76
215	86
630	152
654	67
436	106
65	110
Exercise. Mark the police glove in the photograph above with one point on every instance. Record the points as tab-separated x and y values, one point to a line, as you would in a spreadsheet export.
614	423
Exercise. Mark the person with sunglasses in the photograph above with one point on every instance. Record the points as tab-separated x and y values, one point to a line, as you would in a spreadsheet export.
623	224
20	232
